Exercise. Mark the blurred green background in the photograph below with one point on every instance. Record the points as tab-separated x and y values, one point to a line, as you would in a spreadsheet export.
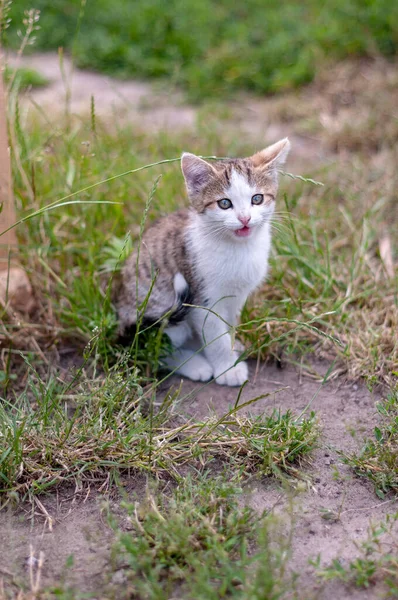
213	47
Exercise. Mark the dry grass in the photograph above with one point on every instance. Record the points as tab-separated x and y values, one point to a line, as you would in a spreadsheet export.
349	108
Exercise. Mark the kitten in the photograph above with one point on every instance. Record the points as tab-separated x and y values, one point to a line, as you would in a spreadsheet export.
212	255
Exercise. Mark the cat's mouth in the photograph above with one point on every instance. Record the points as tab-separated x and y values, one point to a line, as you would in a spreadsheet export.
243	231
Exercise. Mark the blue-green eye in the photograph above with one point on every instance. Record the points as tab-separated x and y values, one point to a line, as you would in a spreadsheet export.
224	203
257	199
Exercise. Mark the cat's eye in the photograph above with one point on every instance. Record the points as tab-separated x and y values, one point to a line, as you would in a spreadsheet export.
224	203
257	199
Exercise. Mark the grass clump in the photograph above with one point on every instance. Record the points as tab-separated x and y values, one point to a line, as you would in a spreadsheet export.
266	444
213	48
378	460
201	542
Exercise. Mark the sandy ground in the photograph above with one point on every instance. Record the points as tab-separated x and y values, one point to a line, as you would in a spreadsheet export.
76	524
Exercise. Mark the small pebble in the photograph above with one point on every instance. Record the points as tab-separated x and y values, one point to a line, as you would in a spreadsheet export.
31	561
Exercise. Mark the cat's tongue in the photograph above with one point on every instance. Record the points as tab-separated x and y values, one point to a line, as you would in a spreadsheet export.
243	232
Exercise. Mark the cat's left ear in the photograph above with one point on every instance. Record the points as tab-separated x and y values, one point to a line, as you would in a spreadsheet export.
273	156
197	173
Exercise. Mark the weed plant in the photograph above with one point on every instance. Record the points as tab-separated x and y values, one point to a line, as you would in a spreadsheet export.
378	459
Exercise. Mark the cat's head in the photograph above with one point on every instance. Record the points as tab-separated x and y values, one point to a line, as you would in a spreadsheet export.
235	196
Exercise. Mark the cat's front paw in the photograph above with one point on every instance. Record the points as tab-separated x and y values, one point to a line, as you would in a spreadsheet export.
197	369
234	376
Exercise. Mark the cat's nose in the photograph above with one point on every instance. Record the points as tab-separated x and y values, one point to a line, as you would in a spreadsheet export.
244	219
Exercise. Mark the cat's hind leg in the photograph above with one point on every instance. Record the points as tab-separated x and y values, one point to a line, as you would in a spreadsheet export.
178	334
185	361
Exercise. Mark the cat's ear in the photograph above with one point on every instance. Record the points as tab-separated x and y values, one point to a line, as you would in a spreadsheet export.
197	173
273	156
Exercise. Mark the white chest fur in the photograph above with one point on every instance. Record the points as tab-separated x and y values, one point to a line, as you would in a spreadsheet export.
228	267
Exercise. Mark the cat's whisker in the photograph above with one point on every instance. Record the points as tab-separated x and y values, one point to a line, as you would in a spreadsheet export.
278	231
280	228
216	232
278	224
281	225
286	216
280	219
284	212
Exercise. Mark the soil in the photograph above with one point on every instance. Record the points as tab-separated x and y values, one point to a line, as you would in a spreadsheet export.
346	413
76	523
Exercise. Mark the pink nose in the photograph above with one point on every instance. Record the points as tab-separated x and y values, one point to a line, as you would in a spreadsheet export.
244	220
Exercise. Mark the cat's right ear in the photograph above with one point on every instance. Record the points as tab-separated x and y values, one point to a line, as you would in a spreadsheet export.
273	156
197	173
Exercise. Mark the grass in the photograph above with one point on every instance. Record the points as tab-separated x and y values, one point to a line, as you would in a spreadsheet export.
93	427
213	48
201	542
313	306
378	460
195	540
346	288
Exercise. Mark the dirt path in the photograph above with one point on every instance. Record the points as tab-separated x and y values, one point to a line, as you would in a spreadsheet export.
154	107
346	412
128	101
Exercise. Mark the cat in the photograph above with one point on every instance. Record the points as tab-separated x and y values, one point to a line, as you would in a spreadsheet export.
210	256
